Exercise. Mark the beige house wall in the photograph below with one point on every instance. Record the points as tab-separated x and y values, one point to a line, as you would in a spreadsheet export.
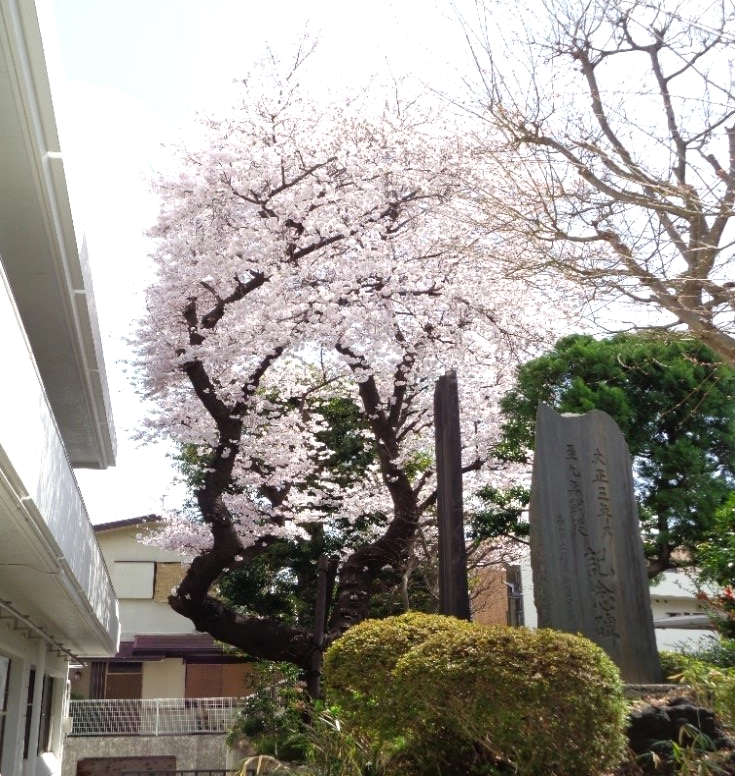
148	616
164	678
122	544
147	611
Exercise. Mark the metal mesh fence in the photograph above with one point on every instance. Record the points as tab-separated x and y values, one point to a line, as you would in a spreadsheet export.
152	717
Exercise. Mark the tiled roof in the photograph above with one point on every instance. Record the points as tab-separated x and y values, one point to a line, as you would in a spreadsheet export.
128	522
193	647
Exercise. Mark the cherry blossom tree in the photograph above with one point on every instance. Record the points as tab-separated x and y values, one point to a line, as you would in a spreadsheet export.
615	123
306	249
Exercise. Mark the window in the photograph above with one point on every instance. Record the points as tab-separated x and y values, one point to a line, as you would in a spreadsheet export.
29	713
44	727
124	680
4	683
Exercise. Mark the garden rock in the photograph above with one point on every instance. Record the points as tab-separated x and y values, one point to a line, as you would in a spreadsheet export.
653	728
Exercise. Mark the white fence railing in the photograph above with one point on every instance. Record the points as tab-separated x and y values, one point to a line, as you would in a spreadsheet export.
153	716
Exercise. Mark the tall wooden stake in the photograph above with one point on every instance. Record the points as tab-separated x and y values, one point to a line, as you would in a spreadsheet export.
454	596
326	575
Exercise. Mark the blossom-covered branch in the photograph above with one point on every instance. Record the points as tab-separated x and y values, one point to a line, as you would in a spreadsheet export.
309	251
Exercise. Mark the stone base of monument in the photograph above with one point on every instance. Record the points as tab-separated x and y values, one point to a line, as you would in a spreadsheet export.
636	691
655	731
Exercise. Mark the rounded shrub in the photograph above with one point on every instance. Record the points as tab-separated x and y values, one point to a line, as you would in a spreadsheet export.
463	698
538	702
358	667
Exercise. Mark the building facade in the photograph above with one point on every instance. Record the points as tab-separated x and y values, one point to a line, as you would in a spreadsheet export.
161	655
169	694
57	604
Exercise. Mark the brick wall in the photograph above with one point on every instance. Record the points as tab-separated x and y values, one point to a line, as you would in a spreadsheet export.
489	596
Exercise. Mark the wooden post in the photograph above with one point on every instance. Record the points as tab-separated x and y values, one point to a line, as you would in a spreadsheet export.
332	567
454	597
326	575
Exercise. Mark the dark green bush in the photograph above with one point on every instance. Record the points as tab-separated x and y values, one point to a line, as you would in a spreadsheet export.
465	698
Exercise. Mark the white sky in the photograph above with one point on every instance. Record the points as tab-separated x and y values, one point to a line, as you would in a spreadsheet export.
131	75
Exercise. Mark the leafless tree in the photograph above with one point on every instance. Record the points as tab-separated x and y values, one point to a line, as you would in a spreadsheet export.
613	122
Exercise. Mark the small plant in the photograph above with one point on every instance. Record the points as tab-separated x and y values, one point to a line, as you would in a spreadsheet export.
711	687
691	753
717	650
334	750
262	763
272	717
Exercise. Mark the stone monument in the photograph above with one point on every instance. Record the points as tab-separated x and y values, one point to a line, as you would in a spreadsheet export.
587	558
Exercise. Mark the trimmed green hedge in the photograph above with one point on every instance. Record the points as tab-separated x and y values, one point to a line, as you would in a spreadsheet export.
358	668
534	703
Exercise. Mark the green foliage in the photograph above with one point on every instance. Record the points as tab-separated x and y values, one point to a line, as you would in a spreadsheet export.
358	667
279	582
673	400
721	609
461	698
330	750
716	555
716	565
713	686
672	663
718	651
543	701
502	513
691	753
352	451
334	750
272	717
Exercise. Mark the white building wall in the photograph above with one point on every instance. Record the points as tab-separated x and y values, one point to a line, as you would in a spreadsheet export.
121	544
674	593
37	474
51	569
28	653
55	593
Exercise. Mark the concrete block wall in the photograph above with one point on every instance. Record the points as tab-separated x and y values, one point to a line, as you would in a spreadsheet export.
191	751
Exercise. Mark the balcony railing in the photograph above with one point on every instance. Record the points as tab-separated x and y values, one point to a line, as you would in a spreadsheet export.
153	716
